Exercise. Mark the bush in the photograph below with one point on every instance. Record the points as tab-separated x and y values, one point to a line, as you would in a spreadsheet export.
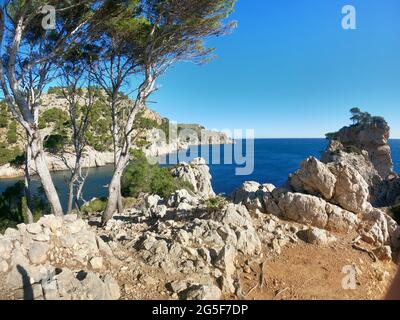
4	116
142	177
56	91
215	204
55	142
12	136
96	205
8	155
13	207
54	116
331	136
352	149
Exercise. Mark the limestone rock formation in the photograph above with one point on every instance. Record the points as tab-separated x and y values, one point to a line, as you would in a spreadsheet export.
315	178
372	138
197	173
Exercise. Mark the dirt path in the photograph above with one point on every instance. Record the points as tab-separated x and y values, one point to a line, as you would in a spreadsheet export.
313	272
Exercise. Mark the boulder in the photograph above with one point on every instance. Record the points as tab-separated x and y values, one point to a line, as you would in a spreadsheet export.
304	209
37	253
6	248
315	236
379	229
351	190
315	178
246	192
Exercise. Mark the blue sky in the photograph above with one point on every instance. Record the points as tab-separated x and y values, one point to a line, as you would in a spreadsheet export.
290	70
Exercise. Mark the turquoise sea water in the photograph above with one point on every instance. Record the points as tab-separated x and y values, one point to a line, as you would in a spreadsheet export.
274	160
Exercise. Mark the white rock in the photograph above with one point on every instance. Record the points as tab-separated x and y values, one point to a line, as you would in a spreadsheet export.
34	228
96	263
37	253
315	178
315	236
6	247
3	266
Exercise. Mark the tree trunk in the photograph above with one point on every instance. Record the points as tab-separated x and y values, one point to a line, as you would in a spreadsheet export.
119	202
70	196
44	174
114	189
29	206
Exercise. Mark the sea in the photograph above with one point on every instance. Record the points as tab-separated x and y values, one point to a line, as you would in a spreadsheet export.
274	160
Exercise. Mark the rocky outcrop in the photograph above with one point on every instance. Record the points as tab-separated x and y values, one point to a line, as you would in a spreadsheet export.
199	250
379	229
371	138
251	194
315	178
57	258
335	182
197	173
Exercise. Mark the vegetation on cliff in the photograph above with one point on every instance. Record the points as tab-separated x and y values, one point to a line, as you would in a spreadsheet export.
142	177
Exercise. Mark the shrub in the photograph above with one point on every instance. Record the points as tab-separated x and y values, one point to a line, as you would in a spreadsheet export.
162	182
56	91
8	155
13	207
4	116
215	204
54	116
352	149
12	136
55	142
96	205
140	176
331	135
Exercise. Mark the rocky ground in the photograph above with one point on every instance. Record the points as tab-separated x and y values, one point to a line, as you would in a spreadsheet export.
318	237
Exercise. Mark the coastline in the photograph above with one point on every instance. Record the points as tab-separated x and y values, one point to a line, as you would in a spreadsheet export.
93	159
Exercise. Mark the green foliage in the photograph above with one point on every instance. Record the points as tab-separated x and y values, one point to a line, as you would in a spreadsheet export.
13	207
331	136
351	148
141	176
96	205
12	136
360	118
98	134
215	204
58	91
8	154
54	143
165	127
54	116
4	115
19	160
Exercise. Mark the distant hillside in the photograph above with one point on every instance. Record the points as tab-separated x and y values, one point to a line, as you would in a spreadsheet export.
53	123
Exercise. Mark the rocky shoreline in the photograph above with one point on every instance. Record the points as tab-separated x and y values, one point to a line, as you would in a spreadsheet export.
194	245
92	159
